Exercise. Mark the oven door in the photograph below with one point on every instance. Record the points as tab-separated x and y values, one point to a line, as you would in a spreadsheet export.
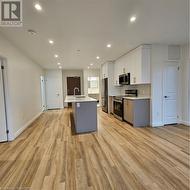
118	109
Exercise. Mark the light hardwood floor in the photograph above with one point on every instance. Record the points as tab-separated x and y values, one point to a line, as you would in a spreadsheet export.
47	156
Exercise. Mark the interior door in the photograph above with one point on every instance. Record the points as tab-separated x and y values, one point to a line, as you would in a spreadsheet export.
54	97
72	83
3	128
170	94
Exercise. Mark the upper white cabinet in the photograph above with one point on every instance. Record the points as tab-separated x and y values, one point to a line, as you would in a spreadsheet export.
108	71
117	72
140	65
104	70
137	63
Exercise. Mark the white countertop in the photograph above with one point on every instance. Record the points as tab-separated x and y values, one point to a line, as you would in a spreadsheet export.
137	98
79	98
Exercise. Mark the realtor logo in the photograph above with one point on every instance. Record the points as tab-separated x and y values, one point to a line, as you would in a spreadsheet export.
11	13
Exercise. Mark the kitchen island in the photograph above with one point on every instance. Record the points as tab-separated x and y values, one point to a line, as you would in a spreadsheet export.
84	113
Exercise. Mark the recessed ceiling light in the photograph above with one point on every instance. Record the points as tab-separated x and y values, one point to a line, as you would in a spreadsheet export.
38	6
60	67
51	41
58	63
97	57
133	19
32	32
108	45
56	56
91	64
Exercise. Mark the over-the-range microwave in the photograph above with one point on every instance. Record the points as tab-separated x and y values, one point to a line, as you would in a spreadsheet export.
124	79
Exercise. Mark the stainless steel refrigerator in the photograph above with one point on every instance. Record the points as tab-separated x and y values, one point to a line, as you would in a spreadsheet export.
104	95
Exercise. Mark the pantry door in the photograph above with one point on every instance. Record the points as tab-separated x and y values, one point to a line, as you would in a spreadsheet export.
170	93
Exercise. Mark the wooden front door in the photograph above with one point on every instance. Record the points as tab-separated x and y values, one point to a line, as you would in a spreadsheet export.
72	83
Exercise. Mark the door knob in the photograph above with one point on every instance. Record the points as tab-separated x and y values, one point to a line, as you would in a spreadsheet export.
166	96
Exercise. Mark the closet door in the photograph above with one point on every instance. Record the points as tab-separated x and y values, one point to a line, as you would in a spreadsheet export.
3	129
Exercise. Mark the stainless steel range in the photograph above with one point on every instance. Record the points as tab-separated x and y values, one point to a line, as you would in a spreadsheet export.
118	103
118	107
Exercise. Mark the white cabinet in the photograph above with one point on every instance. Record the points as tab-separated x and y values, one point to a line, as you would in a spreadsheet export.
116	74
105	70
137	63
108	71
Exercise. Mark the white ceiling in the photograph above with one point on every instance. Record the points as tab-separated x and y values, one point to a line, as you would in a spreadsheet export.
89	25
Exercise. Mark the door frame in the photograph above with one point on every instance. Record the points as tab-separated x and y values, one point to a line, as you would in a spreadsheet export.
5	92
177	64
43	93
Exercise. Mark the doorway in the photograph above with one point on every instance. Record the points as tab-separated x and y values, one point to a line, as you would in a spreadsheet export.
54	92
3	112
170	93
73	86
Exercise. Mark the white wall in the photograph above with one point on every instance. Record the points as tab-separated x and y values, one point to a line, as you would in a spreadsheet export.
159	54
24	95
159	59
71	73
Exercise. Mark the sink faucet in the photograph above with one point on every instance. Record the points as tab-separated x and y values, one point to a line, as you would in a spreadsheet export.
75	90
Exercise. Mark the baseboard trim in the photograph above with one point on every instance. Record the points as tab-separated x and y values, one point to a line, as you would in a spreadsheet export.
26	126
185	123
157	125
161	124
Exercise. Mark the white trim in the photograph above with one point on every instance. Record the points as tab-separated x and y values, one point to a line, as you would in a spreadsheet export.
185	123
25	126
157	124
180	122
5	77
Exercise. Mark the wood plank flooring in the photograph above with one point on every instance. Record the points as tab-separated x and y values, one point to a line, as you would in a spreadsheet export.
48	157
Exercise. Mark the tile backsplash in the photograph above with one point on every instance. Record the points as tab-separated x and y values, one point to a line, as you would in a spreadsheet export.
143	89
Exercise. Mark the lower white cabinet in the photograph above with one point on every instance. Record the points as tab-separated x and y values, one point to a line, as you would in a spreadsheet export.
137	112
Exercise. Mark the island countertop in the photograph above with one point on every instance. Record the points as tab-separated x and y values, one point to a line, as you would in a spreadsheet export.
79	98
